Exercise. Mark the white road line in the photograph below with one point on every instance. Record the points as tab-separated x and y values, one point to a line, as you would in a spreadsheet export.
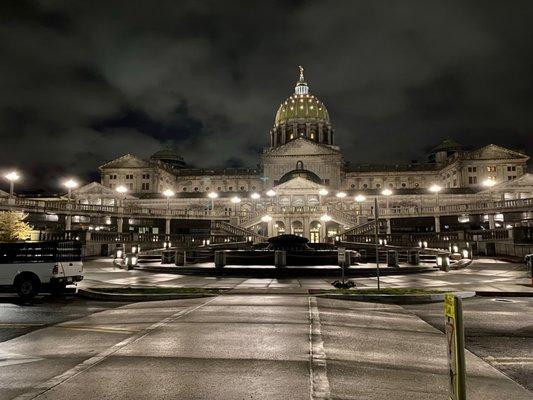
91	362
319	383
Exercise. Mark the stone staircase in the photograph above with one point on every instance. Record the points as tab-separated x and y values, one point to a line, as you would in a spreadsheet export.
362	229
235	230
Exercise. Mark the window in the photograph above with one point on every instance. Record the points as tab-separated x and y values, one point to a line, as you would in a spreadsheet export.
326	182
404	185
145	186
114	176
455	182
230	188
365	186
417	185
391	185
253	187
491	168
242	187
472	180
195	189
472	169
146	176
219	188
352	186
184	189
129	176
378	186
511	168
510	178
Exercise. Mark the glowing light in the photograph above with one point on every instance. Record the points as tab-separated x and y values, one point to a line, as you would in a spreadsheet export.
121	189
266	218
71	184
168	193
212	195
360	198
325	218
255	196
12	176
341	195
489	182
323	192
271	193
236	200
386	192
435	188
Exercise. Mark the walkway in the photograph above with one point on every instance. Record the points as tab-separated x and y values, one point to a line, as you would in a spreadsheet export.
241	347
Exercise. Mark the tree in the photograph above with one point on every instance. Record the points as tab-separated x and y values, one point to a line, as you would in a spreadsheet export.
13	227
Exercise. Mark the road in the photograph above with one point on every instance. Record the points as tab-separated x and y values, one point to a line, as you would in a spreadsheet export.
499	330
240	347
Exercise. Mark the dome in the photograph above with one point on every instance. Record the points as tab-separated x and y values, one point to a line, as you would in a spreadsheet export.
301	115
301	106
169	156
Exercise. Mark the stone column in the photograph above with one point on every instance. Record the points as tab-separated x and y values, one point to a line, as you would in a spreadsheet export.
307	129
68	222
270	228
389	229
167	226
305	223
120	224
437	224
295	130
283	134
323	232
320	133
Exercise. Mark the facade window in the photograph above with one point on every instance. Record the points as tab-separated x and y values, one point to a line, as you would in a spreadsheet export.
219	188
404	185
391	185
472	169
472	180
417	185
511	168
230	188
207	188
378	186
184	189
365	186
352	186
326	182
242	187
195	189
114	176
145	186
130	186
511	178
129	176
454	182
491	168
253	187
146	176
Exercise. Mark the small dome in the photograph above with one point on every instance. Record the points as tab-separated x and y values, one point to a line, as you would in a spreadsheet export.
169	156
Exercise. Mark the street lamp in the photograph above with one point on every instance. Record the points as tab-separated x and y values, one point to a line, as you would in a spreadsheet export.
255	196
12	177
360	199
489	183
341	195
168	193
323	192
70	184
436	189
236	200
325	218
271	193
212	196
122	190
386	193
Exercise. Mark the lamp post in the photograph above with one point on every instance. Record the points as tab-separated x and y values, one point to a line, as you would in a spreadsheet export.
386	193
235	200
271	193
12	177
122	190
70	184
255	196
489	183
360	199
212	196
168	193
436	189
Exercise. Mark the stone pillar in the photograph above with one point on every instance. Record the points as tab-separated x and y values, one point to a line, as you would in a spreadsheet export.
307	129
270	228
305	224
220	258
443	261
68	222
295	130
323	232
414	257
120	224
492	223
320	133
389	229
283	134
280	258
437	224
392	259
167	226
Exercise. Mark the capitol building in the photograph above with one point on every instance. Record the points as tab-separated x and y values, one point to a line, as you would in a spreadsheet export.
303	184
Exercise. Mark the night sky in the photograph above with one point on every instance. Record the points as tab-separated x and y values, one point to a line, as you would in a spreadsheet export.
82	82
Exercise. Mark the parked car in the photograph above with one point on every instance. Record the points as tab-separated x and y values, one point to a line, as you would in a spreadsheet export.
33	267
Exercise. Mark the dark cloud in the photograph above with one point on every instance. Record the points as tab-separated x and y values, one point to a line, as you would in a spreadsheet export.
83	82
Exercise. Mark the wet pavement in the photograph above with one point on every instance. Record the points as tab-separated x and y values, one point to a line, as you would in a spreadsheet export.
241	347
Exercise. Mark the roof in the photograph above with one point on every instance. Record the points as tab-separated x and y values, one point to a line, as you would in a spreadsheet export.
301	106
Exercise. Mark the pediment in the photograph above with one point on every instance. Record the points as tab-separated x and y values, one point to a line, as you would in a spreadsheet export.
298	183
126	161
492	151
302	147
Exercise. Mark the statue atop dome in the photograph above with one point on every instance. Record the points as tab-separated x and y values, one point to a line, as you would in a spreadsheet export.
301	85
302	79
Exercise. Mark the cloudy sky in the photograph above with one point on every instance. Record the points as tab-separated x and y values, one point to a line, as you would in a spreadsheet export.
82	82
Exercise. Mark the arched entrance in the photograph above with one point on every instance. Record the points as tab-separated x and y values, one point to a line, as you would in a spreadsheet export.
297	228
314	232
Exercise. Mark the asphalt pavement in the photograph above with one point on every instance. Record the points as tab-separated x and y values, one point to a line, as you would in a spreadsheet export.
499	330
241	347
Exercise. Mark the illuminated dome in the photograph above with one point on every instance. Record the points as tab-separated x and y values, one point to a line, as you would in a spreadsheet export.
169	156
301	115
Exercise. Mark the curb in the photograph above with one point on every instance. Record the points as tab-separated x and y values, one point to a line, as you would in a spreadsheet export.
397	299
93	295
460	264
489	293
